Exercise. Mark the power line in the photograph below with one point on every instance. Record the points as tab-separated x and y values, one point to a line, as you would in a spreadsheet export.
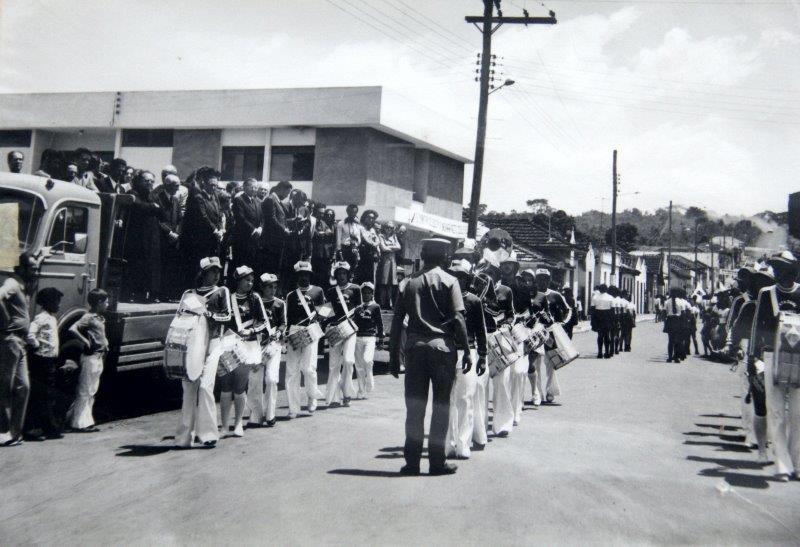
424	19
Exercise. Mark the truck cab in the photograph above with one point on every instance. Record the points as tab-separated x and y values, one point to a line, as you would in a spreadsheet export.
79	237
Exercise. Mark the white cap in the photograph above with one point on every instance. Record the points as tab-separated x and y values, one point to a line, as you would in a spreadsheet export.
210	262
303	266
267	278
243	271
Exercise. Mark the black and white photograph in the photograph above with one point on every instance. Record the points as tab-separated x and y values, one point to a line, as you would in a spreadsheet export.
400	272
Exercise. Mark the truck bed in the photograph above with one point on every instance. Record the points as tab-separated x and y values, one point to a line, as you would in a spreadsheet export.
133	309
136	333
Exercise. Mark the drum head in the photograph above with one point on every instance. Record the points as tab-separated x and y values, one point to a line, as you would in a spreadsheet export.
196	348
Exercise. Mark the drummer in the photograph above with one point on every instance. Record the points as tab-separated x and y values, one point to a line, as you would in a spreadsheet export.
521	296
262	391
249	319
344	296
468	399
499	310
560	312
301	312
369	323
199	410
783	420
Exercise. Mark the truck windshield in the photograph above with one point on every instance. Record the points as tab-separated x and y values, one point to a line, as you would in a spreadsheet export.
20	215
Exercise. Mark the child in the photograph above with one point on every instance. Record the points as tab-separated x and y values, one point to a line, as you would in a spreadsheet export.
43	341
367	318
91	330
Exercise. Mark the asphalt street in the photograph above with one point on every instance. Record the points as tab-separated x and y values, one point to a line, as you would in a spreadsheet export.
636	450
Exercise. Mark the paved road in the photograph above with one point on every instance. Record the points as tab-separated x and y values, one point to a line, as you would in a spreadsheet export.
637	451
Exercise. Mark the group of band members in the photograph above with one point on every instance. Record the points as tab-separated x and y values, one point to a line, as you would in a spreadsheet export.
443	317
613	318
770	401
246	334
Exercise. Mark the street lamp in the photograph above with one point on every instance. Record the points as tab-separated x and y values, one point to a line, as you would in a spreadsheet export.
507	83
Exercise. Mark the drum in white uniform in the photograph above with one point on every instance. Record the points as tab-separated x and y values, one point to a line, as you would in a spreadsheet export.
304	336
185	347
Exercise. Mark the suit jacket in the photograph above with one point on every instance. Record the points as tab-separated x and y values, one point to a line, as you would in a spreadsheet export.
274	216
247	216
171	210
204	215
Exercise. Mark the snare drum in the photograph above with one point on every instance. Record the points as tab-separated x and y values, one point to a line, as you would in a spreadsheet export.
563	351
538	335
503	349
520	333
336	334
185	347
786	358
232	354
305	336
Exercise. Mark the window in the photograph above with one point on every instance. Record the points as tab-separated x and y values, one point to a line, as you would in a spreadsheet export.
242	162
26	209
292	163
147	138
70	229
15	137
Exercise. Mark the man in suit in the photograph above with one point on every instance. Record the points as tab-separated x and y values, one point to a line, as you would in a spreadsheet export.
203	225
114	182
167	198
276	231
247	225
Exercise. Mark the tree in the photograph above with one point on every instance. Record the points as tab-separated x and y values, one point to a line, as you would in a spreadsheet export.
627	236
539	206
465	212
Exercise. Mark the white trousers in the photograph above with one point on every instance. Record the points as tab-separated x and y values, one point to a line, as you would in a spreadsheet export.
783	424
519	375
365	357
747	408
480	406
462	410
502	408
262	390
341	360
199	410
302	361
544	377
88	384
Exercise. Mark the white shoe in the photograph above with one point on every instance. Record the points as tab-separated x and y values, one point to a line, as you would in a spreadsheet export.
238	430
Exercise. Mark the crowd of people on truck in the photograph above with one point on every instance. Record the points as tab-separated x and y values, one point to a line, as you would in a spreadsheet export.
173	222
755	325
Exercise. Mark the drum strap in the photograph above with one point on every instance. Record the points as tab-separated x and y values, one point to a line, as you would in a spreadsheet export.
302	298
342	302
237	314
773	296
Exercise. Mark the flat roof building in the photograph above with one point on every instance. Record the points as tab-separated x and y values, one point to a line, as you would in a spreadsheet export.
360	145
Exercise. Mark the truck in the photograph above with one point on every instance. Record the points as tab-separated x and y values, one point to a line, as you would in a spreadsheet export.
79	237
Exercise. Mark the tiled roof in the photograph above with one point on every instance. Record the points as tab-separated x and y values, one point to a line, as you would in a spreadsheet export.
529	233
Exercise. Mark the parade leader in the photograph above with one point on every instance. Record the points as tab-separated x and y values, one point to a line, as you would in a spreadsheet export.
431	302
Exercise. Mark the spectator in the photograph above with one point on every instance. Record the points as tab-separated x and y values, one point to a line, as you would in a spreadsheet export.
15	160
276	230
142	276
300	223
14	322
348	237
263	191
387	270
248	225
114	182
330	220
322	246
72	174
53	164
203	225
43	340
369	252
166	197
86	177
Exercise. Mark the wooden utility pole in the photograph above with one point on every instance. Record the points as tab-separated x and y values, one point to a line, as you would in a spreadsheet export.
614	217
487	28
669	251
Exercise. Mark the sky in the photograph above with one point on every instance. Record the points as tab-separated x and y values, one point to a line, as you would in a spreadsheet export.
697	96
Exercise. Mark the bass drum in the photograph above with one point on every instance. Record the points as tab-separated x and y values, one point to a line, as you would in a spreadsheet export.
185	347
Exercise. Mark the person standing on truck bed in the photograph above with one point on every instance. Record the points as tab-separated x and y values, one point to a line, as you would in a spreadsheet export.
248	221
142	278
203	225
199	410
166	196
14	322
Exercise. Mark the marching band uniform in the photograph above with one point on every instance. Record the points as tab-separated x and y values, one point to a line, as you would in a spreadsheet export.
499	311
783	423
674	308
199	409
262	393
628	322
369	323
300	305
601	320
552	301
521	297
468	398
344	297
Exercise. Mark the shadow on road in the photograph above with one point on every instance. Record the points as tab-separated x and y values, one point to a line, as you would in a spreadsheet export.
718	426
730	447
141	450
722	436
366	473
741	480
720	416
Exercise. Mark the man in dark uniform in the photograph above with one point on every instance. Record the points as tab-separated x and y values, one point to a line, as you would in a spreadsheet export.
247	225
432	300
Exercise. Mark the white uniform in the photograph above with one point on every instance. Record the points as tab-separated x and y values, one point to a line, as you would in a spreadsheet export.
462	410
365	357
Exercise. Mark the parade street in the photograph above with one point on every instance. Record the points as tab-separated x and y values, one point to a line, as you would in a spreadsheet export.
636	451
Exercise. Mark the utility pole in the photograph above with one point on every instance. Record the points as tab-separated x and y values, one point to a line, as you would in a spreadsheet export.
669	251
614	217
487	28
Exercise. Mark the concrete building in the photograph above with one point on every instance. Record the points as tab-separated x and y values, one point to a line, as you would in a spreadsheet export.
358	145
